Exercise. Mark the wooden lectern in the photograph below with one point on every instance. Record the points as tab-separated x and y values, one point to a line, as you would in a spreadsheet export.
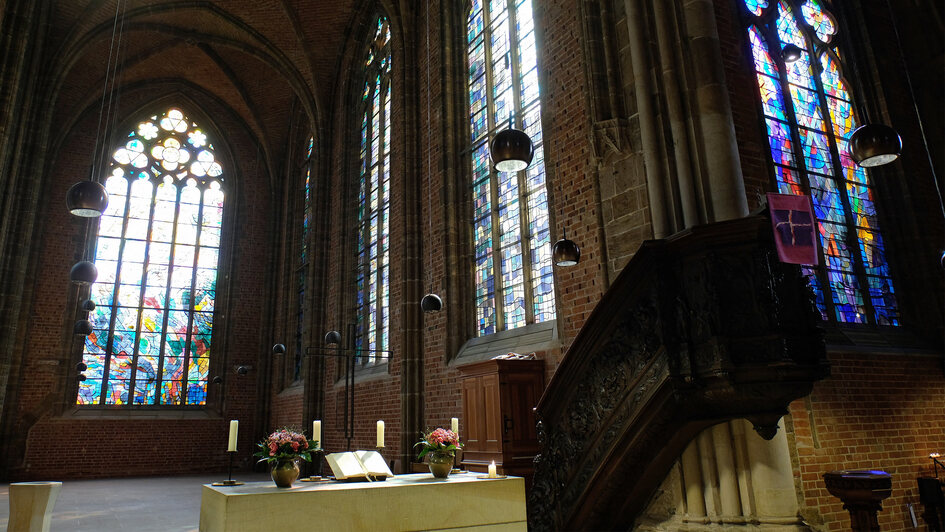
499	397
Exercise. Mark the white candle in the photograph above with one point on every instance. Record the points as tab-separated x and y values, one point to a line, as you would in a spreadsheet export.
380	433
317	433
492	470
234	428
454	426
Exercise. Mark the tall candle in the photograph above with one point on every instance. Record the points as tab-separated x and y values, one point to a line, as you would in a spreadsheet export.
317	433
234	428
454	426
380	433
492	470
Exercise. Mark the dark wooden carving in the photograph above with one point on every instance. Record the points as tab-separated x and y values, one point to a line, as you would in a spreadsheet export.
697	329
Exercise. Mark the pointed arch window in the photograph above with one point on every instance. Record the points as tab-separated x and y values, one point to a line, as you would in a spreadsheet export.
302	269
809	117
372	324
157	251
513	273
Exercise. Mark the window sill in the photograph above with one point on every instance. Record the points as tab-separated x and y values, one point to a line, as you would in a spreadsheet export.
372	372
100	412
534	337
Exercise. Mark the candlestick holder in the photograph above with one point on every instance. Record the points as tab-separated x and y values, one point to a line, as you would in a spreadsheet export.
319	454
229	474
936	464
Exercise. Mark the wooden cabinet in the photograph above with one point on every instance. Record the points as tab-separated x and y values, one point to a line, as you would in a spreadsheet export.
499	397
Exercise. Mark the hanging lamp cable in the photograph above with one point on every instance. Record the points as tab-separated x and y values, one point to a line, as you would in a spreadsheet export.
108	72
915	107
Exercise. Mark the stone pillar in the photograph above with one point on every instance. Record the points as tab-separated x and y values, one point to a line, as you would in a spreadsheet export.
731	475
692	478
726	187
710	478
731	508
772	476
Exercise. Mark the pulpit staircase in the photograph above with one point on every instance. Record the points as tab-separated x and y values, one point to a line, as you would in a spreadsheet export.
702	327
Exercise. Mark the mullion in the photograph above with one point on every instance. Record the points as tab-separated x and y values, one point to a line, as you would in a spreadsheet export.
771	36
110	344
519	113
190	307
382	206
498	280
167	297
858	266
141	291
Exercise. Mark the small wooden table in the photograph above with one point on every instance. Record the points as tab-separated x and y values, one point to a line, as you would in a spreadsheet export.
404	502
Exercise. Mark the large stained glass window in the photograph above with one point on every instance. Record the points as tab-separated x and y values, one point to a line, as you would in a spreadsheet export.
513	273
373	261
300	273
156	252
808	112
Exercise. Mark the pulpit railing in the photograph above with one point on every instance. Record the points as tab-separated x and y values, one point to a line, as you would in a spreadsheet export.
702	327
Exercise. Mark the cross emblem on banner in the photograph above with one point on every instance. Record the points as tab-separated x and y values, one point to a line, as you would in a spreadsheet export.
795	229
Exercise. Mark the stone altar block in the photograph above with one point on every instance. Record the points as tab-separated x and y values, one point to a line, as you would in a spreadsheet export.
401	503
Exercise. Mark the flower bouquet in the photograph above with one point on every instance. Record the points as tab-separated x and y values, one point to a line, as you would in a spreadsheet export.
282	449
441	446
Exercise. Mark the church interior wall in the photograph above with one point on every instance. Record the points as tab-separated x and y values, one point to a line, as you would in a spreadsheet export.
880	408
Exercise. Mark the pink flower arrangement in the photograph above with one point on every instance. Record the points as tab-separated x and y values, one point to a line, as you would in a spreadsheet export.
284	444
438	441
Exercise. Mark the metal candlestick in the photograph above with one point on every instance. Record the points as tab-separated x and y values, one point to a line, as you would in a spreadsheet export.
229	474
319	453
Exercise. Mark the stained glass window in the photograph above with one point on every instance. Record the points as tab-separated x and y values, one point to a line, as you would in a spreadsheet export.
809	116
373	261
156	252
303	258
512	270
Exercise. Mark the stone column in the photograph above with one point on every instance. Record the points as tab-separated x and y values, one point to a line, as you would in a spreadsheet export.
772	476
731	508
732	475
726	187
692	478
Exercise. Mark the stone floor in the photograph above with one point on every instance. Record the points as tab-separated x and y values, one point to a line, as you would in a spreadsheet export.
152	504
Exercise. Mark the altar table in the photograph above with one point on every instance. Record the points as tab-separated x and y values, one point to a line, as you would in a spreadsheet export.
401	503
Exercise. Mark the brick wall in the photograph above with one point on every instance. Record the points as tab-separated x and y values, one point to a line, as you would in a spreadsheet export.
876	411
59	444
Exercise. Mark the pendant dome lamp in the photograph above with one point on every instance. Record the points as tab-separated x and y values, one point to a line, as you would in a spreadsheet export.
565	252
874	145
87	199
511	150
82	327
83	273
790	53
431	303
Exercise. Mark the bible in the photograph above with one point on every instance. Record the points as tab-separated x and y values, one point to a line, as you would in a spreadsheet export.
359	465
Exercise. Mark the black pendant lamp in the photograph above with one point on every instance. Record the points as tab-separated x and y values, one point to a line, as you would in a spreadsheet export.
875	145
87	199
431	303
565	252
790	53
83	327
511	150
83	273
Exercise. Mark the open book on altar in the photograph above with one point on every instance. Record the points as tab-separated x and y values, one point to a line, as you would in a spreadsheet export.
358	465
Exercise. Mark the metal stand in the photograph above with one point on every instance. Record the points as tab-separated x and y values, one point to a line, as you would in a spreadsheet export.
229	474
350	356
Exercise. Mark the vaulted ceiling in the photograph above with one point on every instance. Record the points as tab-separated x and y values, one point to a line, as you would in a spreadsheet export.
264	60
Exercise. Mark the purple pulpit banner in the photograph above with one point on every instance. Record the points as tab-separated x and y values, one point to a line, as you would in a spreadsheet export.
795	229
